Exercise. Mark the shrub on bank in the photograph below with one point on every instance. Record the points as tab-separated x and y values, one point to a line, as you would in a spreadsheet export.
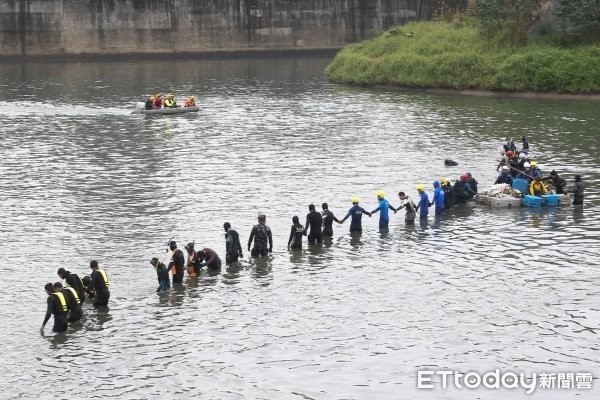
441	55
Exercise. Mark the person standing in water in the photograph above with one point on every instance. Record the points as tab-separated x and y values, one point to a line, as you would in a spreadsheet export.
328	219
411	209
314	221
193	264
296	233
578	191
177	262
209	258
73	301
423	202
100	284
162	274
233	247
57	306
73	281
383	208
356	213
261	233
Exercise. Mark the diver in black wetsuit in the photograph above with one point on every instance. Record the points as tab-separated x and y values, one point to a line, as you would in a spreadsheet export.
233	246
209	258
100	284
74	282
73	301
328	219
260	234
177	262
57	305
296	233
87	286
314	220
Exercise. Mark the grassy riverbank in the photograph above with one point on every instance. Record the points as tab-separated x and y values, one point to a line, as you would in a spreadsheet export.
441	55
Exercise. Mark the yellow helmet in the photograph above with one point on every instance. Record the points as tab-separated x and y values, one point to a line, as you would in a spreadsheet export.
192	98
356	199
534	163
444	180
380	194
421	187
152	98
158	95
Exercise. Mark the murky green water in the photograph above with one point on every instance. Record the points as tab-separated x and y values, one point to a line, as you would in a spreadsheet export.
480	289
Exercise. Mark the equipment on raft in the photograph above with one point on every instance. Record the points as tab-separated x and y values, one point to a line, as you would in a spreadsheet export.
167	111
502	195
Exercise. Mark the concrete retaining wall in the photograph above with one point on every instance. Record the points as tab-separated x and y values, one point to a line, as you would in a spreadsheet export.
80	27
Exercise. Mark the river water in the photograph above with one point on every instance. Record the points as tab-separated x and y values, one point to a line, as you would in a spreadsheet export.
478	290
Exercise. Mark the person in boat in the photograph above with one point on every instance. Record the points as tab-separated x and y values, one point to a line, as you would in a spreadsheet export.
448	193
86	281
558	181
472	182
233	246
356	213
512	146
328	219
260	234
314	222
164	283
296	233
438	198
100	284
170	101
578	191
526	173
513	163
383	207
535	171
423	205
149	103
73	281
409	205
537	187
193	263
504	177
467	187
158	102
56	305
209	258
73	302
177	262
504	159
190	102
524	145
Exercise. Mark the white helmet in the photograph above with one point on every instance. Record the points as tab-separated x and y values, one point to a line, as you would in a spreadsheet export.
505	168
526	165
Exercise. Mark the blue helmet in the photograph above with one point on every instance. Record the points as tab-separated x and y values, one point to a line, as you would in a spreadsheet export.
436	184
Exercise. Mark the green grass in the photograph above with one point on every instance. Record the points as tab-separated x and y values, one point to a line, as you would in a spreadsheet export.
441	55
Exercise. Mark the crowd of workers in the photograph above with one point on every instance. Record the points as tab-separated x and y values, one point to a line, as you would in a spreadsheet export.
157	102
516	164
64	302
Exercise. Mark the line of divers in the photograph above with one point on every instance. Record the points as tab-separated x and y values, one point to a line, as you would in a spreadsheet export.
64	302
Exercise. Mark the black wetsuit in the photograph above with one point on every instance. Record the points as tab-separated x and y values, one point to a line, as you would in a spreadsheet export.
164	282
177	263
212	259
74	281
76	312
149	104
448	196
328	219
296	233
558	181
100	286
578	193
195	263
233	247
60	316
314	220
261	234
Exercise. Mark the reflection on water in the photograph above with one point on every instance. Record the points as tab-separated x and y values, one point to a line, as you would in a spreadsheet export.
355	317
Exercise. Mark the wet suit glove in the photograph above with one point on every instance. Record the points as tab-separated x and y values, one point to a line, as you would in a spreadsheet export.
248	247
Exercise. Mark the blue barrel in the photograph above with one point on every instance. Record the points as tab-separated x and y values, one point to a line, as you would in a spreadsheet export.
550	200
532	201
521	185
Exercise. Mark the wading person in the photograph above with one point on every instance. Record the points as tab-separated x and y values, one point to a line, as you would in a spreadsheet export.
558	181
423	206
193	264
383	208
328	219
578	191
87	286
209	258
355	213
260	234
162	274
57	306
100	284
438	198
233	246
314	221
73	302
296	233
411	209
177	262
73	281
